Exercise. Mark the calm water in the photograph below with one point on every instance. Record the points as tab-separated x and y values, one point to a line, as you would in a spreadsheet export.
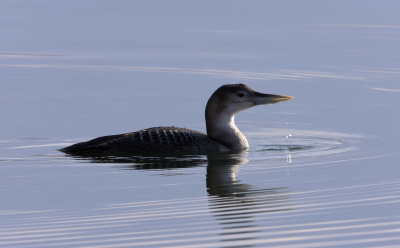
75	70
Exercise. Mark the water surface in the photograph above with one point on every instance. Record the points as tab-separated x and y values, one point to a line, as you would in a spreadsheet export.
72	70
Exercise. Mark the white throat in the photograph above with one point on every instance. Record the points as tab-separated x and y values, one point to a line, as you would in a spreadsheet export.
222	128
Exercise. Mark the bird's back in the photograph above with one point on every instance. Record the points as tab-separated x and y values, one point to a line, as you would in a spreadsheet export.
155	139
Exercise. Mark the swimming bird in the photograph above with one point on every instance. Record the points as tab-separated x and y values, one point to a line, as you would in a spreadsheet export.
222	133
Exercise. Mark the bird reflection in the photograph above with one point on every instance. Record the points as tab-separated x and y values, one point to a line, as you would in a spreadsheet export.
162	161
234	204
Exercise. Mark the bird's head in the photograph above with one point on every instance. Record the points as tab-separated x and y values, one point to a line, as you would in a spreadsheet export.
232	98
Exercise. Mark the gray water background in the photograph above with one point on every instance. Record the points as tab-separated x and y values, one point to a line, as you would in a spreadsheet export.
75	70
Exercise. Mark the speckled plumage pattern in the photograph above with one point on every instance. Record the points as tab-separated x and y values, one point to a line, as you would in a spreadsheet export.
155	139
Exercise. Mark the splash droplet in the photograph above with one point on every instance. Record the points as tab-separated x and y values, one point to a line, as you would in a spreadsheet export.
289	158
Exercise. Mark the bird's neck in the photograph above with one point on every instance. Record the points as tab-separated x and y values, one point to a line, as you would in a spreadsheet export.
221	127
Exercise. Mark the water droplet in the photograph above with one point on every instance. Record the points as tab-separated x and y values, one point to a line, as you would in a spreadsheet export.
289	158
288	135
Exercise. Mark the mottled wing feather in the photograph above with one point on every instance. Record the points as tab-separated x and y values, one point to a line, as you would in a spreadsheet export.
156	139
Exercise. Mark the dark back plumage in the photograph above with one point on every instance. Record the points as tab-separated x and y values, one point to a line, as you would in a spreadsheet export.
155	139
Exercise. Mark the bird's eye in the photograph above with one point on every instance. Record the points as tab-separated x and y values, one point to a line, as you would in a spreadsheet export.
241	95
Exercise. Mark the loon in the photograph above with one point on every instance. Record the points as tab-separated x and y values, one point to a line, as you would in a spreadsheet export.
222	133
